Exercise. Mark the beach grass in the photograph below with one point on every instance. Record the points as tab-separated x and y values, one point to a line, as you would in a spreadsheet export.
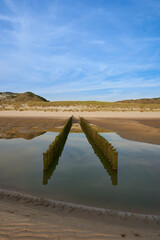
80	106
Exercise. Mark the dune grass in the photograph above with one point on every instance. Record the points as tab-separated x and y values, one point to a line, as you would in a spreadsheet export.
80	106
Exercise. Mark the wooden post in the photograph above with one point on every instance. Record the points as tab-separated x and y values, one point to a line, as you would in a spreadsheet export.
56	146
108	150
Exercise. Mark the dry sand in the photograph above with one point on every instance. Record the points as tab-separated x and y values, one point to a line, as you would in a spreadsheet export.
25	217
99	114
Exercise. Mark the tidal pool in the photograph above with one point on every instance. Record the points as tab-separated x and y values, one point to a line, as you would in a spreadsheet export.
81	175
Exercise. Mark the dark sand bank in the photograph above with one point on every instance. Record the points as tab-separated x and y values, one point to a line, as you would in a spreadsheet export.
29	127
141	130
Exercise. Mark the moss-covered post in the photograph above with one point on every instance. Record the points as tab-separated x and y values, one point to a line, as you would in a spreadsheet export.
45	160
108	150
56	146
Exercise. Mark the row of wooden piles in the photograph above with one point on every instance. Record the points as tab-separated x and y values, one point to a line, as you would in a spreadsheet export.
96	140
107	149
56	147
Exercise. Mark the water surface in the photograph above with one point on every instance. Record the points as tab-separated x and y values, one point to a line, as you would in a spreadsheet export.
80	176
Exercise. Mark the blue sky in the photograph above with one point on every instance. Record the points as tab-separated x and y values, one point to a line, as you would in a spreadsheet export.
104	50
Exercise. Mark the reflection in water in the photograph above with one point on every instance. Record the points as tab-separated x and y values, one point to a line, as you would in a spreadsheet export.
112	173
80	176
108	150
16	133
55	147
47	173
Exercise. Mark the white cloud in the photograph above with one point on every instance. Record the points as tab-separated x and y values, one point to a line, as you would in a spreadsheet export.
58	54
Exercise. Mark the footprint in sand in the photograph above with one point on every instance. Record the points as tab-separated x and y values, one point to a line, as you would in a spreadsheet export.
123	235
137	234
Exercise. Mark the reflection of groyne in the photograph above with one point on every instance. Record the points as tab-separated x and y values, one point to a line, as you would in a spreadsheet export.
47	173
106	164
56	147
107	149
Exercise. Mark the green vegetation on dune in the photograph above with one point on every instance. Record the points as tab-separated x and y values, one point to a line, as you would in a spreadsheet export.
9	97
31	101
142	101
29	96
96	106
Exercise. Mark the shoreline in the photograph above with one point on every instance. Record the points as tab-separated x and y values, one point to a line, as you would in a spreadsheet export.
24	216
71	207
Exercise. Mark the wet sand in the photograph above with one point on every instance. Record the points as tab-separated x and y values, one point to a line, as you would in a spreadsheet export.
136	126
26	217
137	129
28	127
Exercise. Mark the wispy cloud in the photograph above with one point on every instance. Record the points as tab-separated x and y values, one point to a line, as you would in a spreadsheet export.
65	49
10	5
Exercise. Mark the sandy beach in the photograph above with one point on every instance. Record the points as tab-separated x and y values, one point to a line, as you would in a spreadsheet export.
136	126
64	114
79	120
145	129
27	217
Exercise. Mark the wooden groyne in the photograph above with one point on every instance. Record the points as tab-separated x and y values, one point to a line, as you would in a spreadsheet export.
106	164
56	147
107	149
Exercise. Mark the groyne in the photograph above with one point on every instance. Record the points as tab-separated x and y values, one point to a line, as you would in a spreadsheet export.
106	164
56	147
107	149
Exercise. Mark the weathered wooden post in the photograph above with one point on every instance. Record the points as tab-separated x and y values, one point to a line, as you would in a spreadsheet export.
108	150
55	147
45	161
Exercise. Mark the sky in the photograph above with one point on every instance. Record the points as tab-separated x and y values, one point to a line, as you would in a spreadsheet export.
103	50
